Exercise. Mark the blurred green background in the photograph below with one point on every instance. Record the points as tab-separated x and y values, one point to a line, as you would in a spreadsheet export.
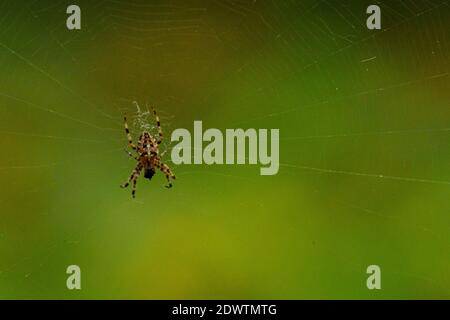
364	126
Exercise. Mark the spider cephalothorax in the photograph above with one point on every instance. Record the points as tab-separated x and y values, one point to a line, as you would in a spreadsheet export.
148	156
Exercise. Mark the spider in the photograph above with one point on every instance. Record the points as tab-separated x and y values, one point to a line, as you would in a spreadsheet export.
148	157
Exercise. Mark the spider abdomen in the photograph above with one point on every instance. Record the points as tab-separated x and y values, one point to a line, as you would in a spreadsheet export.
148	173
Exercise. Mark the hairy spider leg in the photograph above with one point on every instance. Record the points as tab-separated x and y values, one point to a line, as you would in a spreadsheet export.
127	131
134	175
133	191
158	126
168	173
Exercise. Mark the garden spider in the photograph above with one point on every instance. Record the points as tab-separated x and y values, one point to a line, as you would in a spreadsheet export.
148	157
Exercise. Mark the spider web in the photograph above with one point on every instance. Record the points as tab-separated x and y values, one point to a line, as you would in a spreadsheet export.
364	124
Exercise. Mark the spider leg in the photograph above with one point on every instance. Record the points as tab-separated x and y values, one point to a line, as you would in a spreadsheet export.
168	173
127	131
158	126
133	191
134	176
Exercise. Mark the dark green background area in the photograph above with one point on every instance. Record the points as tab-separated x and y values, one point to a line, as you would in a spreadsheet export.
364	123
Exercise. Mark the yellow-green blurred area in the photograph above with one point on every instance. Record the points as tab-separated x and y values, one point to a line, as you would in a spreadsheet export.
364	123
